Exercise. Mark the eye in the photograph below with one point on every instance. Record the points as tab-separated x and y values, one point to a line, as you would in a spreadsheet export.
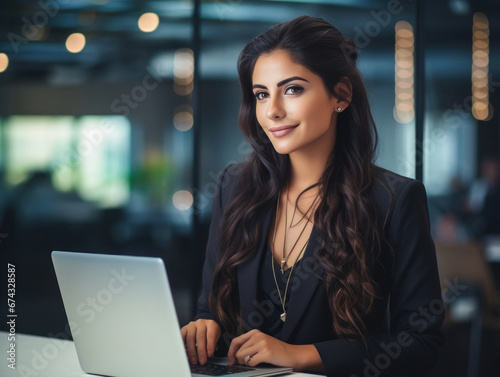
294	89
260	95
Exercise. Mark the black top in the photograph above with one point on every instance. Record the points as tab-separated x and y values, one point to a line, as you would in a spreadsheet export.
268	292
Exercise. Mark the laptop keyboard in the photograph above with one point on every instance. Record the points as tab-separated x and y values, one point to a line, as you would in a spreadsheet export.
218	370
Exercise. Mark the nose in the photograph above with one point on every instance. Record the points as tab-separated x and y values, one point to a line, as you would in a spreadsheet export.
275	109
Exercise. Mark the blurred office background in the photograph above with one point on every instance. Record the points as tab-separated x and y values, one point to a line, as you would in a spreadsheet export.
115	115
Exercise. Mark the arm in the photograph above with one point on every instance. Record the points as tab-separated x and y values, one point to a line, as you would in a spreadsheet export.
416	308
255	347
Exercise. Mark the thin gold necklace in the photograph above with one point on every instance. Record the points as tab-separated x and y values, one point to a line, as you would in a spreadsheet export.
284	256
304	215
283	299
284	259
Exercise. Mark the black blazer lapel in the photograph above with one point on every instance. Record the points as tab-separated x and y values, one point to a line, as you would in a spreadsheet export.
304	286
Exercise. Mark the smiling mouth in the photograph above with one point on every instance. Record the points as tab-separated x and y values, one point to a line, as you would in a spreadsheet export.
282	130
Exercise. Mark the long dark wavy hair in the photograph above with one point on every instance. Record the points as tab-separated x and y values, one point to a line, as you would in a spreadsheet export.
346	215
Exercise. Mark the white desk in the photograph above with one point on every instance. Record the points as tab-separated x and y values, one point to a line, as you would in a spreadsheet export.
47	357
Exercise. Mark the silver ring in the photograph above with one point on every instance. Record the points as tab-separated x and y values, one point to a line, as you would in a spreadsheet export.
247	359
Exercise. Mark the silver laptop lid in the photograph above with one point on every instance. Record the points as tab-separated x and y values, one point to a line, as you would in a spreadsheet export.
122	317
121	314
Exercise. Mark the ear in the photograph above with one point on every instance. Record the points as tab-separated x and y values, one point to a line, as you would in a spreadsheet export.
343	93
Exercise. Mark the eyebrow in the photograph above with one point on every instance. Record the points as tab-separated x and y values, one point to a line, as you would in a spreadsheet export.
282	82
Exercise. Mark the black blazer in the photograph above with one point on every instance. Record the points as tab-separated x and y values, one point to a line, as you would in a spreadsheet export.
405	323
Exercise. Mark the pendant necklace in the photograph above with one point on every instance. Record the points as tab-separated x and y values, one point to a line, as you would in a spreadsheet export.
283	299
284	258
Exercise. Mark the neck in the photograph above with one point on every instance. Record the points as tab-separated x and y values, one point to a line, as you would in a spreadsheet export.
304	173
307	168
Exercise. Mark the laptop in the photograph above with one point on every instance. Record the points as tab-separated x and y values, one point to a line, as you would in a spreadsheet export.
123	320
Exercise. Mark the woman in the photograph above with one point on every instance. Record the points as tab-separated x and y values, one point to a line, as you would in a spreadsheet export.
316	258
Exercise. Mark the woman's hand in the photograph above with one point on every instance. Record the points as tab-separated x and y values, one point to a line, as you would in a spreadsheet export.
255	347
200	338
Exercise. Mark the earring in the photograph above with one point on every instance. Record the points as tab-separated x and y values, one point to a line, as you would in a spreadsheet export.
339	109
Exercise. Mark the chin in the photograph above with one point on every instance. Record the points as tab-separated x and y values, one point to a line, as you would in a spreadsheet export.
282	152
281	149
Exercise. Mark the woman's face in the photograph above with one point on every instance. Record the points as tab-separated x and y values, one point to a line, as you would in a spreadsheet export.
293	106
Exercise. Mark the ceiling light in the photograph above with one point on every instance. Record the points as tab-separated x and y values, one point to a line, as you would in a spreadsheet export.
404	72
148	22
4	62
75	42
481	107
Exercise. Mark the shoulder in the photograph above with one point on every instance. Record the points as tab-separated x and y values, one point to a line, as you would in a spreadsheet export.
392	192
228	181
388	184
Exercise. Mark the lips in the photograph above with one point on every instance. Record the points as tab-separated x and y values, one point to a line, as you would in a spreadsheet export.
281	131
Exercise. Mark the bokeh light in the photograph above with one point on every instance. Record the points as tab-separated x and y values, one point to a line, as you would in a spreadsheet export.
4	62
404	73
148	22
481	108
183	200
75	42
